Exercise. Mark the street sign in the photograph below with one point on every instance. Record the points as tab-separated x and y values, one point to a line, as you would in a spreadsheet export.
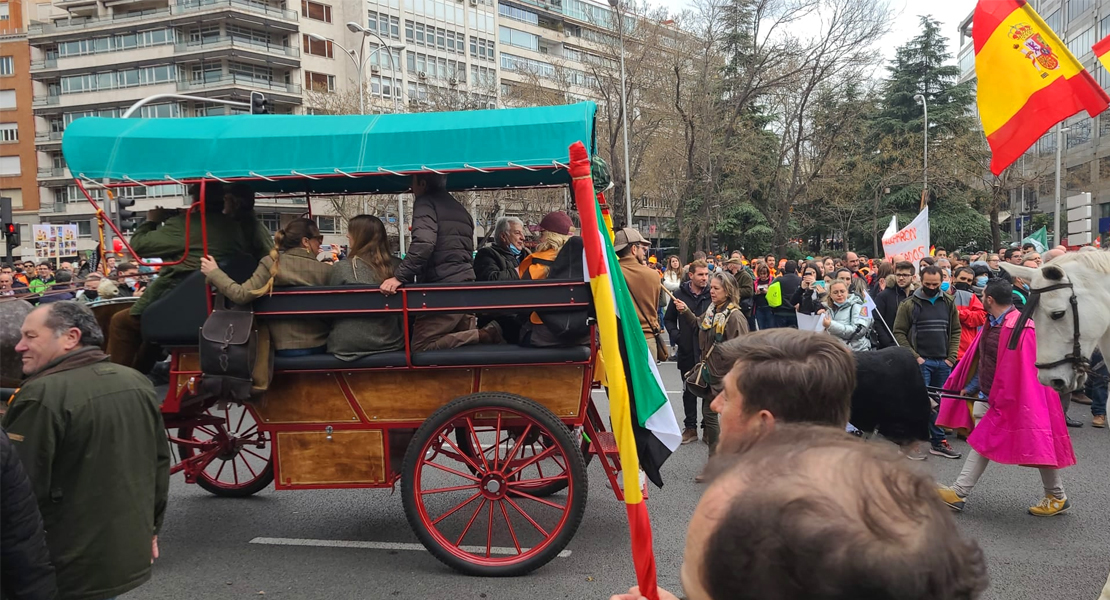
1083	212
1078	200
1079	239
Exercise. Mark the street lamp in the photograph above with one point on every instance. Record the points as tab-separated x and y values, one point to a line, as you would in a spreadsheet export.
624	120
920	98
1060	131
360	62
366	33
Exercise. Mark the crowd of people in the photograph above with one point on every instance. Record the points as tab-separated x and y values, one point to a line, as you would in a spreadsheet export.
774	399
53	281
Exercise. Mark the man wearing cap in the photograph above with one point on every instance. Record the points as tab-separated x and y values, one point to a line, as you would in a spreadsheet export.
643	284
744	281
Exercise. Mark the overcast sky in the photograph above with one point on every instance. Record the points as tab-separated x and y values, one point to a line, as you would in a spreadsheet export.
906	13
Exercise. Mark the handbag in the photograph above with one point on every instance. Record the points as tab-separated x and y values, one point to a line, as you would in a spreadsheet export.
228	351
698	379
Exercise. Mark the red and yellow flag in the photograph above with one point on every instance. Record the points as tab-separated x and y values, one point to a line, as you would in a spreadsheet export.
1028	80
1102	51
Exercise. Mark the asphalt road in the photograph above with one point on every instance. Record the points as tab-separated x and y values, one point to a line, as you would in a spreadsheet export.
206	549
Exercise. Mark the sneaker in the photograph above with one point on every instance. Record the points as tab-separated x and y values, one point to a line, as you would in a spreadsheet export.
689	436
1050	506
913	452
944	449
1098	421
952	499
1080	398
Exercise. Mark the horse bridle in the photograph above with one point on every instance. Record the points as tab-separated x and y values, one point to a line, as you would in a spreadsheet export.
1076	358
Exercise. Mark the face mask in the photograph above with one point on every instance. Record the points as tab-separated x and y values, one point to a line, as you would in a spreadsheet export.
930	292
514	250
944	286
981	281
963	286
130	281
91	294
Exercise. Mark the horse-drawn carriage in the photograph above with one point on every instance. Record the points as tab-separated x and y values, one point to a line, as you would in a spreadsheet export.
489	443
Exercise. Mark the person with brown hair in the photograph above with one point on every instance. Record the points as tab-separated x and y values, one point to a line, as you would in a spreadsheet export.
643	286
368	262
292	262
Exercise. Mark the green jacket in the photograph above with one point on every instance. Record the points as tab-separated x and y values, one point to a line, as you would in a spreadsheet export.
38	286
91	438
226	238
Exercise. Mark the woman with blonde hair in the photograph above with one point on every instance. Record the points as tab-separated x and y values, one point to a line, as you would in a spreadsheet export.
292	262
556	228
368	262
722	321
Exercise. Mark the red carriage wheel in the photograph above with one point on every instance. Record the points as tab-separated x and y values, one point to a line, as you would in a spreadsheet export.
232	456
475	509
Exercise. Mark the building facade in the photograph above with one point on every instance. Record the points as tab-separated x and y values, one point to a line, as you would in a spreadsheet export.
18	161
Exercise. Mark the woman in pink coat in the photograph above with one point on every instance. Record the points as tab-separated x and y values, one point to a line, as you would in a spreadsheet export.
1023	423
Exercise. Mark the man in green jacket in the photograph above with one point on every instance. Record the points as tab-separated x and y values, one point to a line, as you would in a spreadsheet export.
43	280
163	236
91	438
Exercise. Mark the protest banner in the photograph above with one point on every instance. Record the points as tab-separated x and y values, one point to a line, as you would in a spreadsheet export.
912	241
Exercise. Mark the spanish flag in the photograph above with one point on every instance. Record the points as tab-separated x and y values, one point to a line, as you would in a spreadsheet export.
1028	80
1102	52
644	426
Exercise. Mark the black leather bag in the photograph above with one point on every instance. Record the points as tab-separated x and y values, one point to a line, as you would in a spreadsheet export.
228	352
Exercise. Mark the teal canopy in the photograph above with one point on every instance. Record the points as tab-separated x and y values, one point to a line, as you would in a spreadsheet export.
484	149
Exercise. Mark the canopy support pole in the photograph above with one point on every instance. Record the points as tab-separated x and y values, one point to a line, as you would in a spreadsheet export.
401	224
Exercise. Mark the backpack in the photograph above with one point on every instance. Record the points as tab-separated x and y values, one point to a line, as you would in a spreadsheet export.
774	294
572	325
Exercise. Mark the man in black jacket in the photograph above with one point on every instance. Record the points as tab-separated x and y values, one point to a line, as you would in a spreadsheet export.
789	282
693	294
500	259
441	251
887	301
25	569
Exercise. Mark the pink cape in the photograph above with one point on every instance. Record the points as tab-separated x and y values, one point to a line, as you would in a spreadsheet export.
1025	422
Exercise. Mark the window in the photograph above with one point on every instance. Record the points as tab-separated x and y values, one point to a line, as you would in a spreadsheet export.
480	48
4	11
248	35
84	229
7	99
319	82
1080	43
272	221
1053	22
316	11
9	132
327	224
316	47
520	39
1078	176
1079	133
9	165
7	65
1078	7
1104	168
512	12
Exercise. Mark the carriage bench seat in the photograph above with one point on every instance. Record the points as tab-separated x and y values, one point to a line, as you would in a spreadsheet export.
493	354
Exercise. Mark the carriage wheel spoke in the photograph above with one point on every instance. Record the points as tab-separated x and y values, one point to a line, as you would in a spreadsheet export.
477	445
537	499
234	471
456	488
452	471
242	416
534	458
252	453
223	463
519	440
512	532
527	517
496	441
464	456
539	468
456	509
489	530
470	522
205	429
540	481
247	464
249	430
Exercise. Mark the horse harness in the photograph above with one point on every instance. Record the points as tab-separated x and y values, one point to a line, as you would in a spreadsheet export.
1076	358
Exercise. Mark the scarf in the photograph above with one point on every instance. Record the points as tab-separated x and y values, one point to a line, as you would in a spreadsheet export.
715	321
82	357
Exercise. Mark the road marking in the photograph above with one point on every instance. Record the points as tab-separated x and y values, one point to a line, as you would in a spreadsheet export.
500	550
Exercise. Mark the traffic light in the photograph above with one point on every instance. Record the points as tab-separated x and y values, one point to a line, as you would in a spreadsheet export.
11	234
10	229
128	219
259	104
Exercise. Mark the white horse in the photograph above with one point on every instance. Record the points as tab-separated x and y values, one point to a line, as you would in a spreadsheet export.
1070	307
1070	299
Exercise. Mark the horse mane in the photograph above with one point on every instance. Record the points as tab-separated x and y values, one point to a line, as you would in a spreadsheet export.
1098	262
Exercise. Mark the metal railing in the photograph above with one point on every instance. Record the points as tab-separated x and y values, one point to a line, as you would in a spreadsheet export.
49	100
53	136
47	63
54	172
231	42
239	80
180	8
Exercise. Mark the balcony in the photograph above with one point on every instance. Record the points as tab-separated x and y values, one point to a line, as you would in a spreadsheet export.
228	81
45	64
50	138
184	8
48	100
52	207
237	45
54	173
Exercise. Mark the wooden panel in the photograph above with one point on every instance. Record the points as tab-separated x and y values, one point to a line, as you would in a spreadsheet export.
407	395
558	387
305	398
186	361
310	458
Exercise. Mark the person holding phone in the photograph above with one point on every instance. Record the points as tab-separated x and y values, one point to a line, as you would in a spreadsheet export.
809	298
762	317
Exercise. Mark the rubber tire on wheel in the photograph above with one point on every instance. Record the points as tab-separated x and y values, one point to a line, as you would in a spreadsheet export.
259	483
576	467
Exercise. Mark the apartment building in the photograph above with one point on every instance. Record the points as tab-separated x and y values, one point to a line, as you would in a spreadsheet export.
1085	153
98	57
18	163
